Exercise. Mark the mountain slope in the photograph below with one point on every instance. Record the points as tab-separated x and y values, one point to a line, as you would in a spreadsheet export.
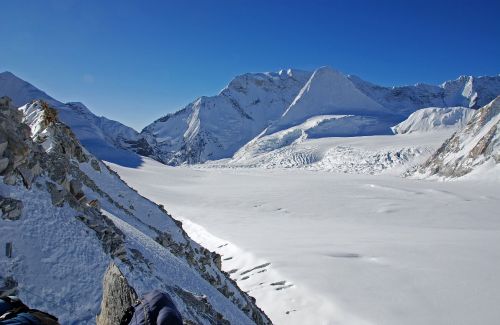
109	140
216	127
466	91
256	106
327	92
67	217
434	118
475	147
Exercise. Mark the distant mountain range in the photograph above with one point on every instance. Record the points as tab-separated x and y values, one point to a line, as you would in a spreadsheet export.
268	110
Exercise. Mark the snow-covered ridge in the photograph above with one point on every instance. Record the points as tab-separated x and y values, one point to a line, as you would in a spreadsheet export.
216	127
54	192
107	139
475	149
258	105
434	118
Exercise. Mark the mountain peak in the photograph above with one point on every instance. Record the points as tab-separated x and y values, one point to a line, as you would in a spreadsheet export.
8	73
328	70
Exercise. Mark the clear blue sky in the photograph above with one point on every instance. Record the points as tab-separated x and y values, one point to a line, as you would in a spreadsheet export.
134	61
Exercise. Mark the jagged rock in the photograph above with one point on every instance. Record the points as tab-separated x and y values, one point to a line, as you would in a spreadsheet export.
27	175
469	148
75	187
95	164
95	204
117	296
11	208
217	260
9	287
10	179
56	194
140	146
3	144
112	239
199	307
55	151
4	162
5	102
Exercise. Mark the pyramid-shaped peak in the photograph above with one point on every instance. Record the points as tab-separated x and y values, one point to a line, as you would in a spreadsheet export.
327	70
7	73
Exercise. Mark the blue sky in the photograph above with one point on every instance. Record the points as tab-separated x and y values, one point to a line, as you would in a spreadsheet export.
134	61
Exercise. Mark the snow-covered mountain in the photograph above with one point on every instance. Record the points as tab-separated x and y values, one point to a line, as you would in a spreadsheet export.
71	222
434	118
216	127
327	92
466	91
107	139
261	112
475	148
298	105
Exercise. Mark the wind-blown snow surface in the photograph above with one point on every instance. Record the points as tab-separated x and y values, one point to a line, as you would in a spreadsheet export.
343	249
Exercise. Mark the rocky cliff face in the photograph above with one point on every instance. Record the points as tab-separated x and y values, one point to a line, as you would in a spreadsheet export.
476	145
66	217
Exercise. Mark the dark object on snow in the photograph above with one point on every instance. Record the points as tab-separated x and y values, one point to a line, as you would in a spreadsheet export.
154	308
14	312
8	250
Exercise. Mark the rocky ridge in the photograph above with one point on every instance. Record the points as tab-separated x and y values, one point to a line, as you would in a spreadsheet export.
475	146
48	177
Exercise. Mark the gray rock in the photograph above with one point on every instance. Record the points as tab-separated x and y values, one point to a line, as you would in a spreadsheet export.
117	296
4	162
56	195
3	144
5	102
11	208
95	164
75	187
9	287
27	175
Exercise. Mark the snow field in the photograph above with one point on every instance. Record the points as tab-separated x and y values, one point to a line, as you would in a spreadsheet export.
374	249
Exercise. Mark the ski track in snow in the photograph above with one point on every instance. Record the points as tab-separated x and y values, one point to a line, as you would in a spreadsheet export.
345	249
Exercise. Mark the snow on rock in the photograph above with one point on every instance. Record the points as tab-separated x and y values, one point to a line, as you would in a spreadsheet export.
475	146
434	118
66	217
109	140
